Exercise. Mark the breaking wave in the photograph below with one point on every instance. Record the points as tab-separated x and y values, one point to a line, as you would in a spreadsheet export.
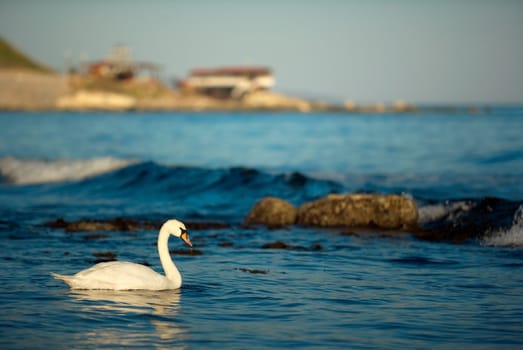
447	210
228	193
36	171
511	237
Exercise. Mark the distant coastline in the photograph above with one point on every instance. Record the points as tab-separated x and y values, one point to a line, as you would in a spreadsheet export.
25	90
26	85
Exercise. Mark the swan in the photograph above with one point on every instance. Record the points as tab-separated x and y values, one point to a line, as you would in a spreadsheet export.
123	275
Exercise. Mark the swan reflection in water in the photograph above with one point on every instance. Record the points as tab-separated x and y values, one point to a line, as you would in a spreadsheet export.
120	315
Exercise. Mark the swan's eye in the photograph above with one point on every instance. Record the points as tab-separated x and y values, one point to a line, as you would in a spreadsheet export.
184	231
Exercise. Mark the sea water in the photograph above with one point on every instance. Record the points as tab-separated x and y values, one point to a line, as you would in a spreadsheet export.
331	289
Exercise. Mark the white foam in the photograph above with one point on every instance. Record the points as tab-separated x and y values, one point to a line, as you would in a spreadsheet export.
34	171
512	237
435	212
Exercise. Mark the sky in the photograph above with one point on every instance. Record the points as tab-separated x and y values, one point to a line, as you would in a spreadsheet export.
419	51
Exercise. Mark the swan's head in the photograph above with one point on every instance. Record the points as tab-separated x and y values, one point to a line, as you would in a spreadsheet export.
177	229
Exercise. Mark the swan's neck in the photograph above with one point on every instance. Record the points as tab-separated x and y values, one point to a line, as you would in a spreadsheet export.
171	272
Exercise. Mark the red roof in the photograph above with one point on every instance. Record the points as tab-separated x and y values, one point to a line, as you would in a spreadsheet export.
233	70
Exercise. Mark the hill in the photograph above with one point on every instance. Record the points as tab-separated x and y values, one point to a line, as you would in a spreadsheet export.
12	58
26	84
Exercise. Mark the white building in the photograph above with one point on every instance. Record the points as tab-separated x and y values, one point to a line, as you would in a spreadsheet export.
225	82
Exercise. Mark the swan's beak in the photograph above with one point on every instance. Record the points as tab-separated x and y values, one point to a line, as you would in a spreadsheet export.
185	238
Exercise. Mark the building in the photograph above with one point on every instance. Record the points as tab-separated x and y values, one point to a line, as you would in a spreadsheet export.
228	82
119	66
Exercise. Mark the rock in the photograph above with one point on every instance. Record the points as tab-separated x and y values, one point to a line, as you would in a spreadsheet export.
187	252
272	212
126	224
315	247
93	236
360	210
253	271
96	100
274	101
118	224
276	245
104	257
472	221
206	225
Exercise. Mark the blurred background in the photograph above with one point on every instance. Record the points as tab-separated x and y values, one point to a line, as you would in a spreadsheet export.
361	52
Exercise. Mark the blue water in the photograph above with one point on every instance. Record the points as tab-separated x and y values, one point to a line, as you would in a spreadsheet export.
365	291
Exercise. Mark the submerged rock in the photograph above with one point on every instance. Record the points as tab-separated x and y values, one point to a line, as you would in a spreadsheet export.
187	252
124	224
272	212
103	257
93	236
315	247
206	225
360	210
276	245
253	271
118	224
475	220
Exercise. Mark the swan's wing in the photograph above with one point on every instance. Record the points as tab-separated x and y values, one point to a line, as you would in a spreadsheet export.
119	275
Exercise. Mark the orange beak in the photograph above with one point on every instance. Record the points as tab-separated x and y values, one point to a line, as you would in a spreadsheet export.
185	238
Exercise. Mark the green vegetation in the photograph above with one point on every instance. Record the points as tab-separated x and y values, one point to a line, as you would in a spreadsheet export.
12	58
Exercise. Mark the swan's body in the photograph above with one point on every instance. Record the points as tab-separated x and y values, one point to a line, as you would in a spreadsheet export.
123	275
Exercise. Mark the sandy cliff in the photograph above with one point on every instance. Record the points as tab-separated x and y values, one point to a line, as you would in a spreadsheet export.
27	90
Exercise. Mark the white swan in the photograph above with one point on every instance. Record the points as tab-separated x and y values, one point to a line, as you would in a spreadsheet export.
122	275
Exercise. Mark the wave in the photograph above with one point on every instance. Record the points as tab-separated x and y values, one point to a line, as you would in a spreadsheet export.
462	220
211	185
36	171
127	176
447	210
149	188
152	188
512	237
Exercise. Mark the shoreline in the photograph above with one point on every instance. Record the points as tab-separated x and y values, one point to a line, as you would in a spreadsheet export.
28	91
